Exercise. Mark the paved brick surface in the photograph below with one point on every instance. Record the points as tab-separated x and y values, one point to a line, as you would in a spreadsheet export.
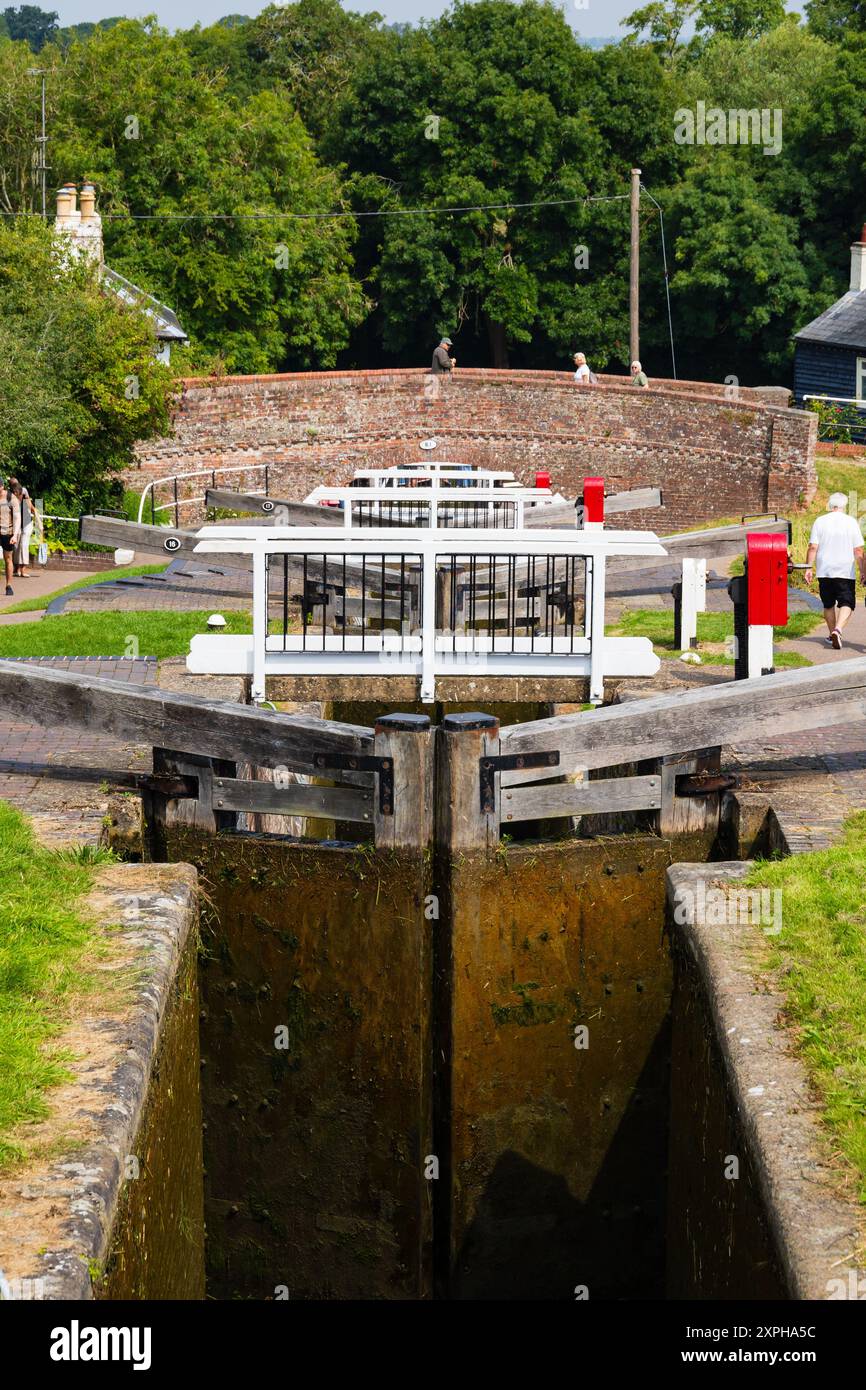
815	779
185	587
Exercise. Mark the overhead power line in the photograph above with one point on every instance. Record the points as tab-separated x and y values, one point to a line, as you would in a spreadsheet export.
315	216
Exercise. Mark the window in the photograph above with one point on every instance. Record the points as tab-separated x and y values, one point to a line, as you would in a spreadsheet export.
861	378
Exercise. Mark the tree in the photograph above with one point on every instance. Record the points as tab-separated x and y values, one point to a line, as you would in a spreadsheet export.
31	25
311	47
739	282
664	22
740	19
79	381
834	19
493	107
160	139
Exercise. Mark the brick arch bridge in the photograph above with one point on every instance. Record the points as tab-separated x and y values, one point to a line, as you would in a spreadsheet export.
712	456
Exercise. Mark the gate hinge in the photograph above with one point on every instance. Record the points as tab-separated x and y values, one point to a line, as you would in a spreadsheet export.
168	784
704	783
358	762
509	762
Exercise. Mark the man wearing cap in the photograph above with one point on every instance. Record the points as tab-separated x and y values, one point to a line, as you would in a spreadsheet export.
443	362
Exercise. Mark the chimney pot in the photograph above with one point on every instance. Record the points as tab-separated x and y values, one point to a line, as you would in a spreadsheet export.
87	201
66	200
858	264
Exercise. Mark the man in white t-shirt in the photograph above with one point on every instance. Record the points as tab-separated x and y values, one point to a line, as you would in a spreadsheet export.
837	542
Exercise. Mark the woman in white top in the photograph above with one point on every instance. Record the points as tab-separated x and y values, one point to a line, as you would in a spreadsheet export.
22	549
583	375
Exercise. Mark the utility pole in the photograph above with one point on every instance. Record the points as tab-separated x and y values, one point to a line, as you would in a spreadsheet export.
634	268
42	167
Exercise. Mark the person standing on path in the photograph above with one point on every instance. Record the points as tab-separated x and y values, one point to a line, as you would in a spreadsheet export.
21	554
835	544
10	531
639	376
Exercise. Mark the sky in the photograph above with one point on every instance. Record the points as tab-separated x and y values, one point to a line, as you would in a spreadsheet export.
593	19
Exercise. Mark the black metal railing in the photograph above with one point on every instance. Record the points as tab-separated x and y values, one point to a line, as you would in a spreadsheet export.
539	597
453	512
320	595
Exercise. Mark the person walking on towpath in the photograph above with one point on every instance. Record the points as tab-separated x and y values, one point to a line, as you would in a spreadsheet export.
10	531
835	544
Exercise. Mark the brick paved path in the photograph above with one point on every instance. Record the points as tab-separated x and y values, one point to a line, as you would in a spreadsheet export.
186	586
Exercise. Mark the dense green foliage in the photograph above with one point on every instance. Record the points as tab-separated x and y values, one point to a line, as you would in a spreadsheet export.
309	108
79	382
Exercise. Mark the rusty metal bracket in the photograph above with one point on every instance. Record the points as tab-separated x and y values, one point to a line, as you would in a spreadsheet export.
168	784
508	762
358	762
704	783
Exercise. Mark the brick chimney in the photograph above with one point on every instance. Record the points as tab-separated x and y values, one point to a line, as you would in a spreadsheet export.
858	262
79	229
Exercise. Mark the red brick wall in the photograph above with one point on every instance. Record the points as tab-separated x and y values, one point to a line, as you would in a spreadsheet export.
713	457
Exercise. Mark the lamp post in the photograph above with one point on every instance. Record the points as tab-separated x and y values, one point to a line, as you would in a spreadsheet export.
42	167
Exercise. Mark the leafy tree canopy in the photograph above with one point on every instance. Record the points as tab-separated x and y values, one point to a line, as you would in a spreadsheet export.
79	382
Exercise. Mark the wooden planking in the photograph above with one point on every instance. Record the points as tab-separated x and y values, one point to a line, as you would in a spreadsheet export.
717	542
739	711
103	530
162	718
110	532
408	743
635	500
582	798
549	514
295	799
289	514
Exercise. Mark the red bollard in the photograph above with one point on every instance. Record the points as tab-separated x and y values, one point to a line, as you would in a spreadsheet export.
593	501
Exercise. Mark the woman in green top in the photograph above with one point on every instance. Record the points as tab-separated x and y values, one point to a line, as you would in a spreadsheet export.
638	376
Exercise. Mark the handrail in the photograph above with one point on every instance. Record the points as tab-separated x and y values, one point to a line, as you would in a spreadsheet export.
841	400
175	478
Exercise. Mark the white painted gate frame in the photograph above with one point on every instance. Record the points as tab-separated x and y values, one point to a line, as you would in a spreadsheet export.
594	655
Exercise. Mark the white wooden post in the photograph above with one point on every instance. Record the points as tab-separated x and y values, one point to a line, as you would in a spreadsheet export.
596	631
428	627
694	600
260	623
760	650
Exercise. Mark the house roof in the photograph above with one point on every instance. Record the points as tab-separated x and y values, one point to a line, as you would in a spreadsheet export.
842	325
168	328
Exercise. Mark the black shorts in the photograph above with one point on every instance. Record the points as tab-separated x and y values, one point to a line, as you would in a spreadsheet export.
837	593
7	543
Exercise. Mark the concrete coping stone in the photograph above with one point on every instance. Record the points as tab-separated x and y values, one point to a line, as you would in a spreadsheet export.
816	1230
57	1213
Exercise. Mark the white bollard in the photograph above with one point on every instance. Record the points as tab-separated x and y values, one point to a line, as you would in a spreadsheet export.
761	657
694	600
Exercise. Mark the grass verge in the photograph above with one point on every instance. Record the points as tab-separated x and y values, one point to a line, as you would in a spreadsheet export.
113	634
819	962
32	605
715	630
44	940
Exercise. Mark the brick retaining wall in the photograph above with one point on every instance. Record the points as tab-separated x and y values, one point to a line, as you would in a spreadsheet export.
713	457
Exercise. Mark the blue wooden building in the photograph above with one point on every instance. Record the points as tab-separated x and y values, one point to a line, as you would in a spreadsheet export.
830	352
